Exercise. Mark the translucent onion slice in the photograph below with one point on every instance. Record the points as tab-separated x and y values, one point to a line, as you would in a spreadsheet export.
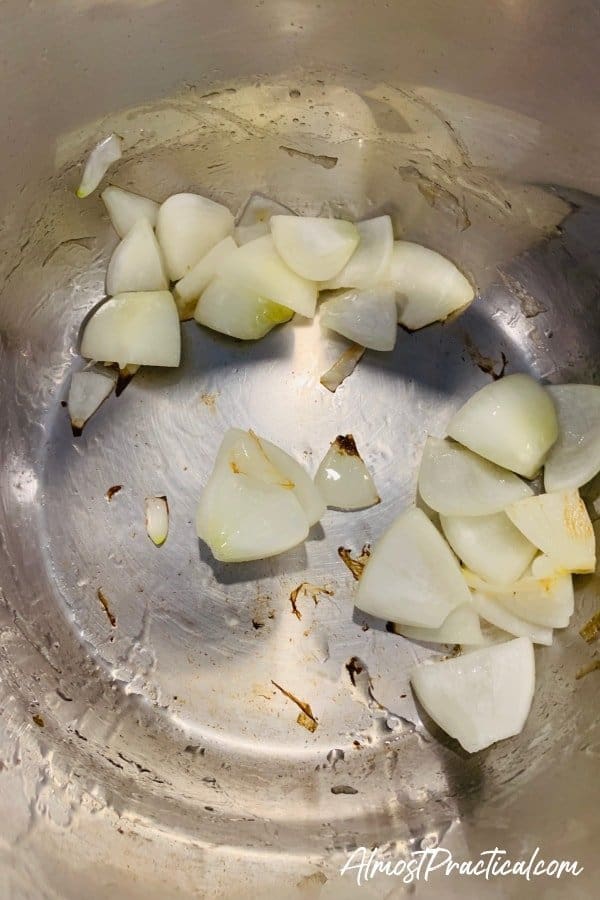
303	486
500	616
258	267
479	697
367	317
455	482
412	576
187	227
575	457
246	510
137	263
543	601
134	329
254	218
343	480
342	368
104	154
511	422
370	263
429	286
460	627
233	309
87	392
491	546
559	525
189	288
157	519
314	248
125	209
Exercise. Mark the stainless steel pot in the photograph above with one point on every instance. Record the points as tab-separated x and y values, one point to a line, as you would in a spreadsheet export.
153	756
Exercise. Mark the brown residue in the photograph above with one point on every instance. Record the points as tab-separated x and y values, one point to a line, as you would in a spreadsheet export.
209	400
346	445
355	564
590	630
305	717
257	624
593	666
488	366
327	162
530	307
354	667
308	590
123	380
343	789
112	491
39	721
103	600
235	468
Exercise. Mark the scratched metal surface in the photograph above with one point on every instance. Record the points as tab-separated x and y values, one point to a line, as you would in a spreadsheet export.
166	725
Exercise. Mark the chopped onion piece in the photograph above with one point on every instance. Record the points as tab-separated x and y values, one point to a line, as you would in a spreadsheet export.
460	627
137	263
139	329
255	216
342	368
248	510
187	227
544	567
314	248
511	422
412	576
559	525
157	519
370	263
87	393
543	601
498	615
455	482
106	152
303	486
126	209
232	309
258	268
343	480
367	317
479	697
189	288
429	286
491	546
575	457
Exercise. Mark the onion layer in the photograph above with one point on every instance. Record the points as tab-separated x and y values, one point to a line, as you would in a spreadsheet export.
575	458
314	248
491	546
370	263
187	227
367	317
137	263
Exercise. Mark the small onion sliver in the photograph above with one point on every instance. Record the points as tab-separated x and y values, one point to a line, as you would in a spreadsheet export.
105	153
88	391
342	368
157	519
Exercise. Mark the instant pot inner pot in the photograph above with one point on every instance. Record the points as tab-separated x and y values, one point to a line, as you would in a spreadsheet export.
162	702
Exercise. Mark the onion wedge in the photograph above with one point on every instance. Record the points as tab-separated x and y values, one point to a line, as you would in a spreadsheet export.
229	307
254	217
412	576
258	268
88	391
157	519
575	457
455	482
429	287
137	263
248	510
134	329
369	264
460	627
314	248
126	209
104	154
343	480
479	697
189	288
187	227
500	616
342	368
511	422
559	525
367	317
491	546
